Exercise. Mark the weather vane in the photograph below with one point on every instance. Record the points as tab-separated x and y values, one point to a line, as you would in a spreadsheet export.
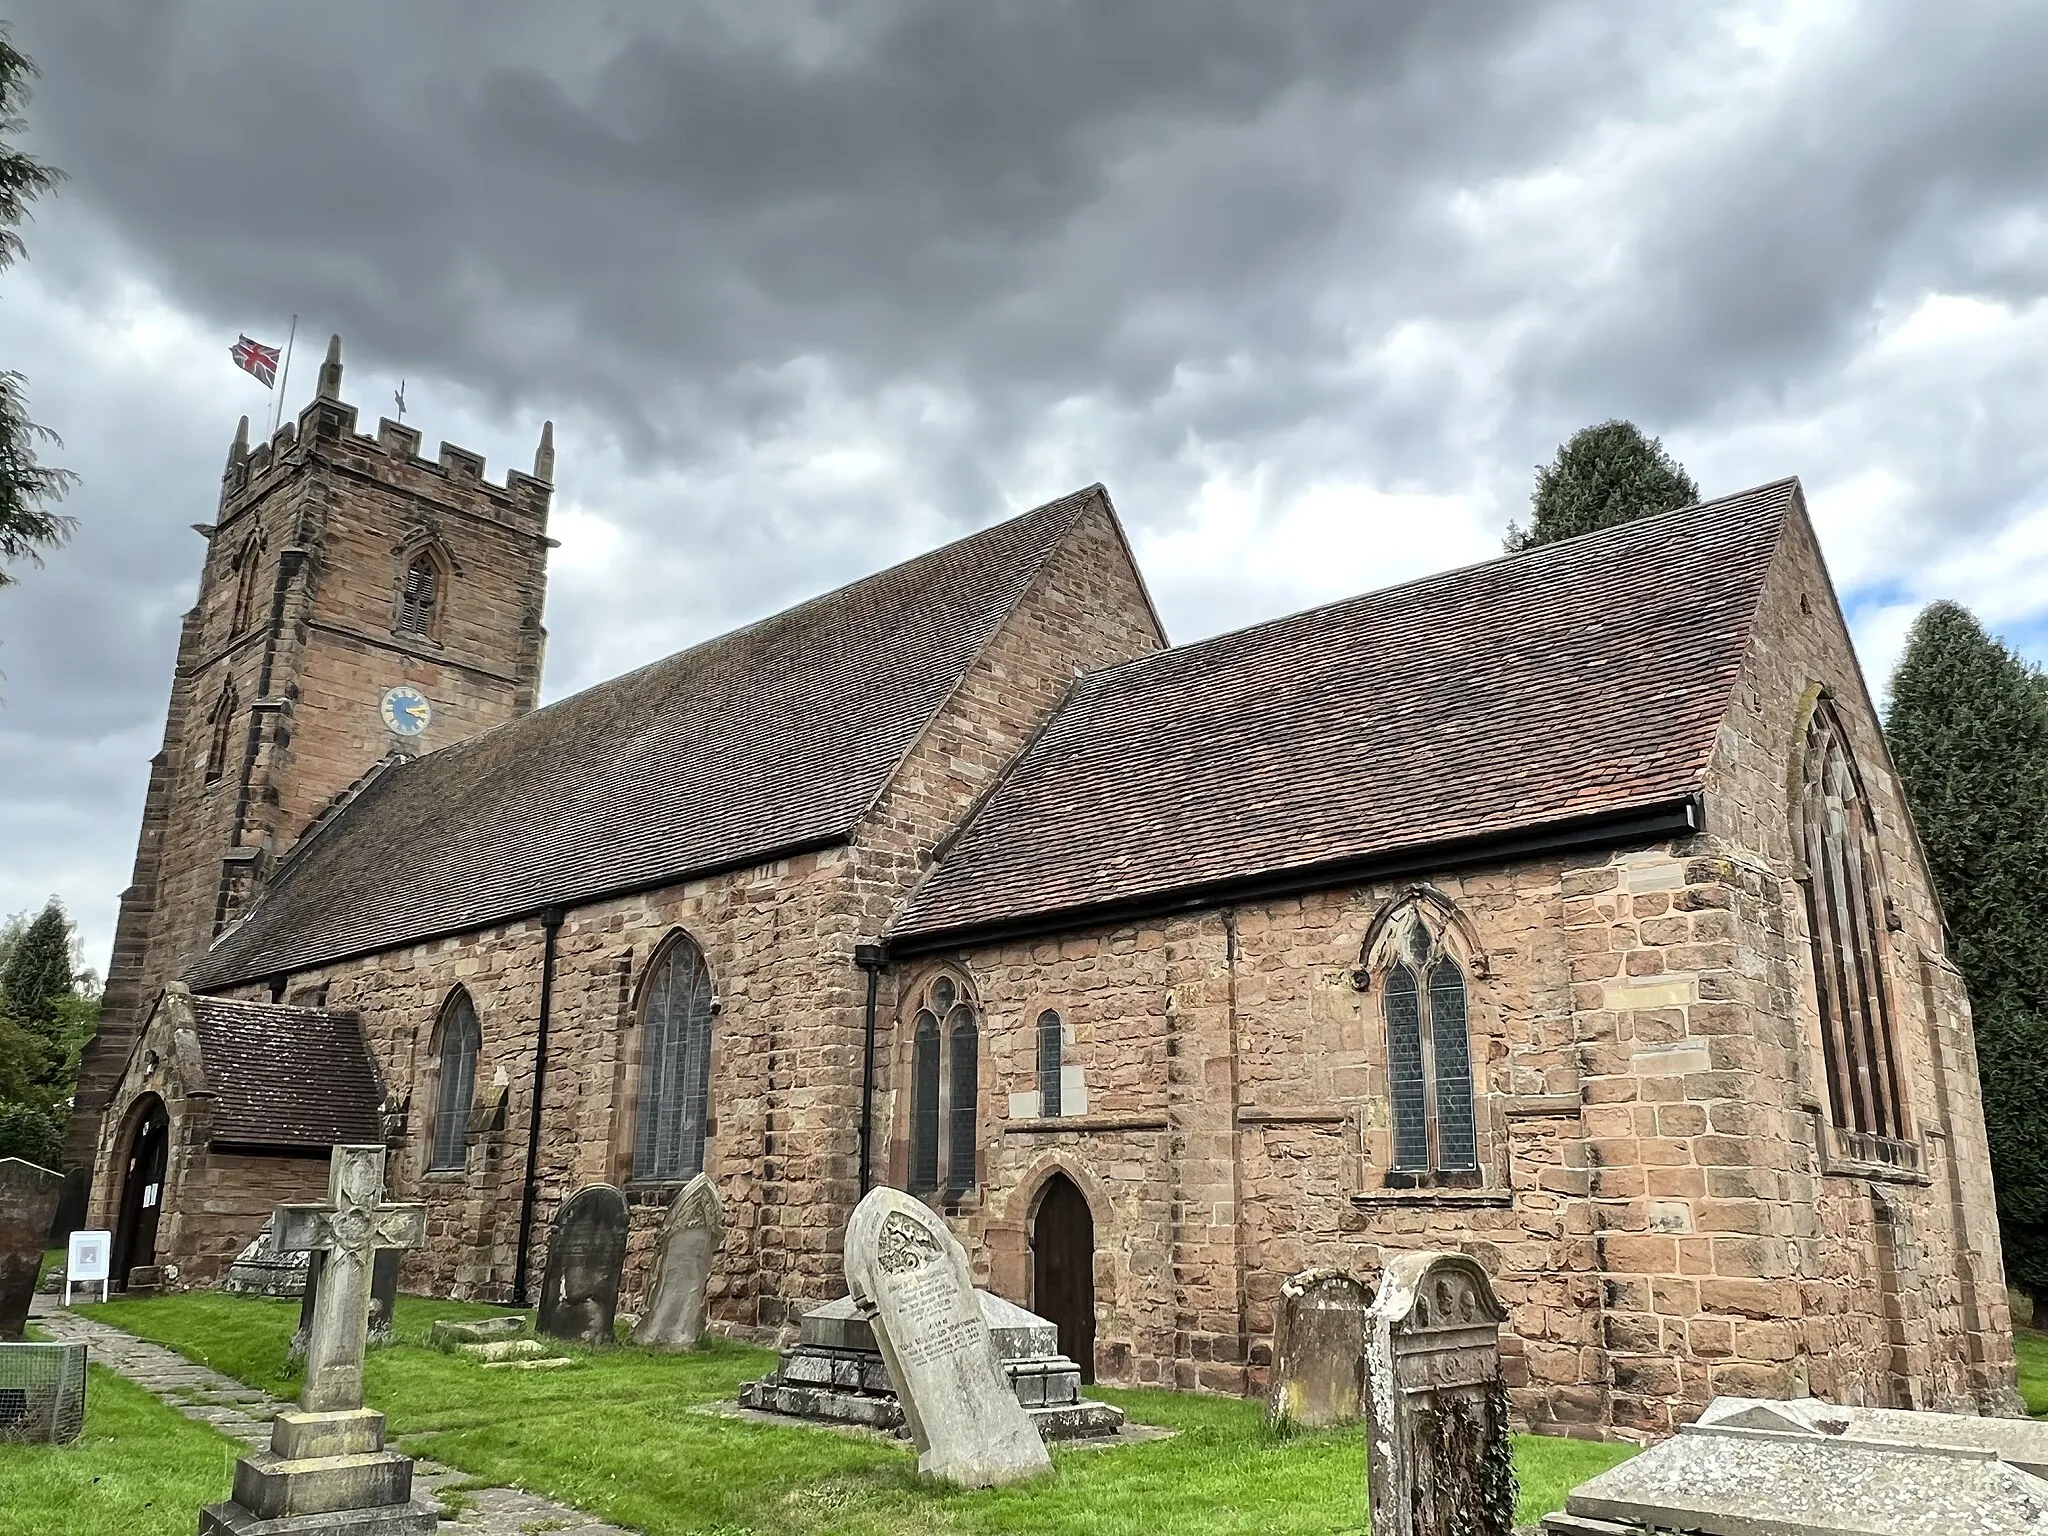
398	395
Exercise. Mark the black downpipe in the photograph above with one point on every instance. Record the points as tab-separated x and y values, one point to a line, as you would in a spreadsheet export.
870	958
551	924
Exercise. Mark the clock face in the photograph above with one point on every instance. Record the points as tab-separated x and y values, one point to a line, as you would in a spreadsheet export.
406	710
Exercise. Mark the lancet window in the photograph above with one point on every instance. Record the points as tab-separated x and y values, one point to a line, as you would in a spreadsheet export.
454	1095
945	1085
1429	1055
672	1108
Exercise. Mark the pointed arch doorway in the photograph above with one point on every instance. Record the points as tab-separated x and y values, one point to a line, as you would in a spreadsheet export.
142	1189
1063	1269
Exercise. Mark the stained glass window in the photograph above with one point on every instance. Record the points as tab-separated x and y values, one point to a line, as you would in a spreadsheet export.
675	1066
1457	1142
1406	1084
1049	1064
460	1039
963	1048
924	1104
1845	917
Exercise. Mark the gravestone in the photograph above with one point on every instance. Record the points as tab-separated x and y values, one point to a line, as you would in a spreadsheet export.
263	1269
911	1279
690	1235
383	1299
327	1472
1439	1461
835	1374
1318	1352
1802	1466
28	1204
579	1293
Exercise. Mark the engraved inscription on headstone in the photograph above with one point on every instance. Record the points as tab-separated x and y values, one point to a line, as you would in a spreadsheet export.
690	1235
1436	1404
1318	1352
579	1294
28	1204
909	1275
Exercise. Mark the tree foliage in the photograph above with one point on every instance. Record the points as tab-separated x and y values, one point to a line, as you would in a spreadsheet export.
28	487
1602	475
1968	729
45	1021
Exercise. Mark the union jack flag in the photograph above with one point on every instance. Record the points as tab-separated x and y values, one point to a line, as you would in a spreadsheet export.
254	357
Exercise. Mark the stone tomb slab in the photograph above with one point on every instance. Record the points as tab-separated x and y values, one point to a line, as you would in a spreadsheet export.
2022	1442
1742	1482
579	1294
1319	1352
690	1235
904	1266
28	1204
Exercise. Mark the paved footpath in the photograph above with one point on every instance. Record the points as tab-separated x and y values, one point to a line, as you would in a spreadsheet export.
242	1413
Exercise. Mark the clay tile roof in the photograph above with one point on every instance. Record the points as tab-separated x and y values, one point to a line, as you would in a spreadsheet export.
286	1077
756	745
1577	681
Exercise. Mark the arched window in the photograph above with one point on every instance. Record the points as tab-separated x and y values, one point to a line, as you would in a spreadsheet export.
1846	919
221	734
1429	1057
460	1039
419	596
675	1065
248	567
1049	1064
944	1097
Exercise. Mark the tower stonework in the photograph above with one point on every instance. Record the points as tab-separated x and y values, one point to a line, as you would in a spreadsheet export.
340	566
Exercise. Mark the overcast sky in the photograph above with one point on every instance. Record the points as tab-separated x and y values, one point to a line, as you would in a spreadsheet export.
808	287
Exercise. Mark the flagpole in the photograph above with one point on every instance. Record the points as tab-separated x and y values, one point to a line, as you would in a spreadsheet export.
284	378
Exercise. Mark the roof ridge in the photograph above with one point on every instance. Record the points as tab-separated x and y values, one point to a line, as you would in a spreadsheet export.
1448	573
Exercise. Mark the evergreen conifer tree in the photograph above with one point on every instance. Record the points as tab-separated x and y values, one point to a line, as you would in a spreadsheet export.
1968	729
34	988
1602	475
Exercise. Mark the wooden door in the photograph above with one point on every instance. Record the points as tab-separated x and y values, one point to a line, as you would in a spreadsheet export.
142	1193
1063	1269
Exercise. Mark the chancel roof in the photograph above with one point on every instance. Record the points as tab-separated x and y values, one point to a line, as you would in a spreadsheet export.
758	744
286	1077
1577	684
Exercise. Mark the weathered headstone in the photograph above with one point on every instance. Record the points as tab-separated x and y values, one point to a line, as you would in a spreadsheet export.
263	1269
1752	1468
579	1292
909	1275
327	1471
690	1235
1439	1461
383	1299
1318	1352
28	1204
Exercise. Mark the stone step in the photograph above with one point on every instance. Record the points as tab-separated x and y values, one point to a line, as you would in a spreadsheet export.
1563	1524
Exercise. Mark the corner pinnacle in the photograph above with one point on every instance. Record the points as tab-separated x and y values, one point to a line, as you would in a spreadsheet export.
330	371
544	455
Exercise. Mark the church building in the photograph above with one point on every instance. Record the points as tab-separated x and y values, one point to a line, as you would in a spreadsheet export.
1564	910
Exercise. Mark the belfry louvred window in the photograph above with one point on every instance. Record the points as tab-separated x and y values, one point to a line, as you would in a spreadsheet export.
421	593
1429	1057
221	734
248	567
672	1109
1846	917
456	1092
944	1094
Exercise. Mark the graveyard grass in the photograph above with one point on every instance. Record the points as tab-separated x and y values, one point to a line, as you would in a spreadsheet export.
140	1469
632	1436
2032	1349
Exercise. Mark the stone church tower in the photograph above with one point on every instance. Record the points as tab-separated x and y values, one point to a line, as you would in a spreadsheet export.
357	603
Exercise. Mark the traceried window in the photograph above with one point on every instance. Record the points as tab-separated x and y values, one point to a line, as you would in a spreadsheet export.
456	1092
1049	1064
1429	1060
944	1094
221	734
1847	921
248	569
419	597
671	1113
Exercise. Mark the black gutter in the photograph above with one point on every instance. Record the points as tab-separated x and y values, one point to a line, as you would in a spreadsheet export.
1676	818
551	924
870	958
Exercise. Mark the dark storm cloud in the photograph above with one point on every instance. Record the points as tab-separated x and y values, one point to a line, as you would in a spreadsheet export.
810	285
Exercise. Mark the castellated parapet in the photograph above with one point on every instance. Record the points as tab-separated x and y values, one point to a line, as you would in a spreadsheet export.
339	566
